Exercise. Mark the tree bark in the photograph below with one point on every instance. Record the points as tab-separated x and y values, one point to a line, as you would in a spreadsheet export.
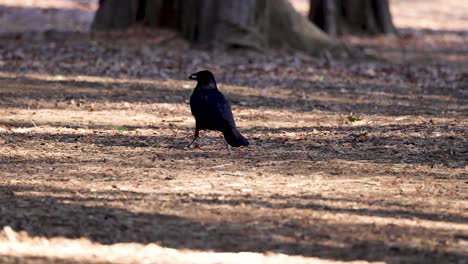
289	28
338	17
257	24
112	16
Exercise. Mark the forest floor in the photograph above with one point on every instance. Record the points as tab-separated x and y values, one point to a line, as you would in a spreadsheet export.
350	160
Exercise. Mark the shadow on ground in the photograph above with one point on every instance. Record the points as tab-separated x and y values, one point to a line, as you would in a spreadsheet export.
64	213
378	144
305	95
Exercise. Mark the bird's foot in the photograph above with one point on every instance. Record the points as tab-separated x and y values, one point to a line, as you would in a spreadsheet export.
194	144
229	149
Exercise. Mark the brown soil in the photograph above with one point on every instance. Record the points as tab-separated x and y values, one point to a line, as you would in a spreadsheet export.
350	160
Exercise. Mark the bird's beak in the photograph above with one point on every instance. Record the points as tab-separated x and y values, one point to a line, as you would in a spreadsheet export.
192	77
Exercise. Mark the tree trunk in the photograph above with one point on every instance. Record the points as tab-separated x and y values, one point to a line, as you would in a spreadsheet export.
114	16
352	16
257	24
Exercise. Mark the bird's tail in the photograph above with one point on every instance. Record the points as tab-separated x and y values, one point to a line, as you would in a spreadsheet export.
235	139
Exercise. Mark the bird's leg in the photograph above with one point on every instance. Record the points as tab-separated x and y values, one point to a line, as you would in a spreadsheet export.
196	136
193	141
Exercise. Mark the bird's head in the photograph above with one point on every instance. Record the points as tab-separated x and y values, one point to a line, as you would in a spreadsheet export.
204	78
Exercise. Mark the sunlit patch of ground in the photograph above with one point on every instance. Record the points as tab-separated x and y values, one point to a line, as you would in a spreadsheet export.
56	4
46	15
20	248
451	15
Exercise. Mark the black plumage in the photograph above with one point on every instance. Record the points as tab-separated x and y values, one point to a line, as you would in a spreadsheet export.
212	110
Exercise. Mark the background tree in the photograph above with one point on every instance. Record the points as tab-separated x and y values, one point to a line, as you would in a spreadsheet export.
338	17
257	24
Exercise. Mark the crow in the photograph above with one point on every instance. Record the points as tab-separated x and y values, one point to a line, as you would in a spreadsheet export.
212	110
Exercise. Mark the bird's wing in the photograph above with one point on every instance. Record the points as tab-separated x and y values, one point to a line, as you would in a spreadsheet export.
220	109
196	103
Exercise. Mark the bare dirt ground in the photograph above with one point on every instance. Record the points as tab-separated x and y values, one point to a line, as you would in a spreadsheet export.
351	161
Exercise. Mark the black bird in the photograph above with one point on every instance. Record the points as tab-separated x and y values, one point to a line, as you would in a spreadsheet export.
212	110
